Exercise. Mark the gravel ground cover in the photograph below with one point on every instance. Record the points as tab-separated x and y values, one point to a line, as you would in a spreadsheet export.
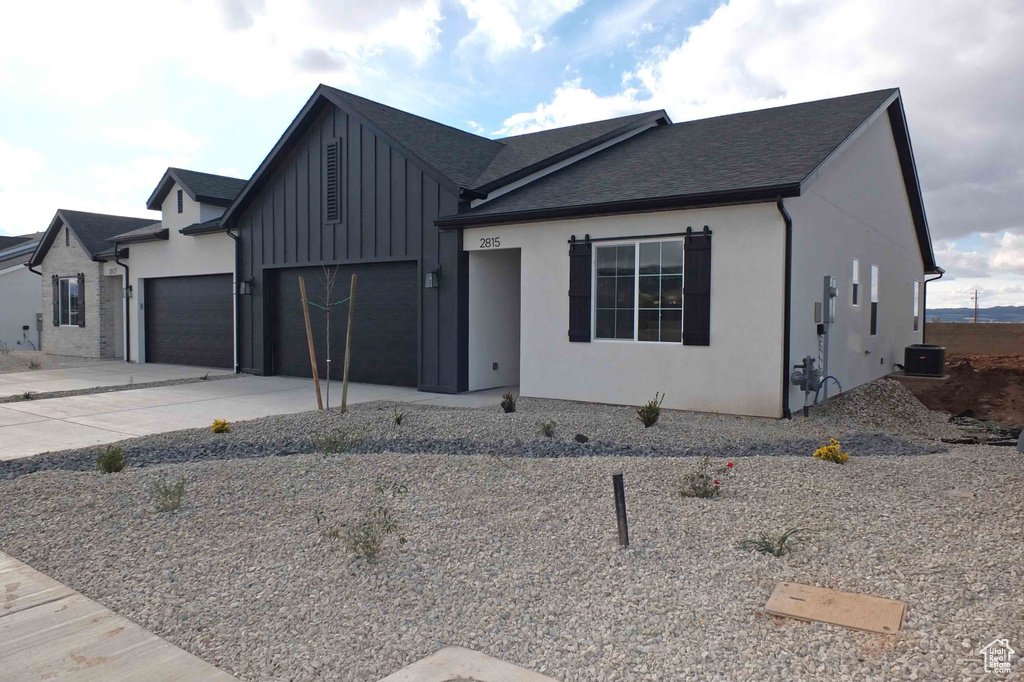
879	418
517	557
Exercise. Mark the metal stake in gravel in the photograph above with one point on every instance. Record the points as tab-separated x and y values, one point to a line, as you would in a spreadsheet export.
620	509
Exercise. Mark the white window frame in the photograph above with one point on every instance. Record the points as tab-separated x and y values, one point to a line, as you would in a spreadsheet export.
855	291
61	309
636	290
917	305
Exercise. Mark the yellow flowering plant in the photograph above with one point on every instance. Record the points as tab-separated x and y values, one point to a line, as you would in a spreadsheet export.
832	452
220	426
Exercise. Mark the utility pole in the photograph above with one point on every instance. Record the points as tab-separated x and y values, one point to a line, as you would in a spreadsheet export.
975	306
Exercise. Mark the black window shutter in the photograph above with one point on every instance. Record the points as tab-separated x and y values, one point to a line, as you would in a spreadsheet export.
332	181
579	290
697	289
81	299
56	300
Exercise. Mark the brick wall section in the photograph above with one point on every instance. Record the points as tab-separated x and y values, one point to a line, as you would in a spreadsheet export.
95	340
980	339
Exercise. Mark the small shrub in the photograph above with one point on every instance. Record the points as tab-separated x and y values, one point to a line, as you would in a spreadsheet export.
34	364
705	482
341	441
776	545
648	413
547	428
110	460
4	349
397	417
221	426
28	395
832	452
166	495
366	537
508	402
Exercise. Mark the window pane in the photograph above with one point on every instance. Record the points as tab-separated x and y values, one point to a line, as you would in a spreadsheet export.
624	324
605	292
672	325
672	291
624	292
605	324
627	260
64	301
650	258
647	325
874	284
672	258
605	261
650	291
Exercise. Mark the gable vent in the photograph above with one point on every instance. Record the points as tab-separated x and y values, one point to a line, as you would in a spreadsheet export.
332	181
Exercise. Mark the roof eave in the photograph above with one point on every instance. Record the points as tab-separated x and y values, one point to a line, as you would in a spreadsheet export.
160	235
196	230
684	201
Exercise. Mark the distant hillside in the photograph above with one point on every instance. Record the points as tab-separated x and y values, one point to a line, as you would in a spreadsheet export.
999	313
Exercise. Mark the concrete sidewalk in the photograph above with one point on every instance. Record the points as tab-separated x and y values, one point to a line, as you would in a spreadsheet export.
50	632
96	375
36	426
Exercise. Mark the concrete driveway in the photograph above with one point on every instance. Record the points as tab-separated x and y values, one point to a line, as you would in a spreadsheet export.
95	375
35	426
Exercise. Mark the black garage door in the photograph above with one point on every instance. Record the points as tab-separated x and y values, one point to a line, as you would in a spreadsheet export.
189	321
384	341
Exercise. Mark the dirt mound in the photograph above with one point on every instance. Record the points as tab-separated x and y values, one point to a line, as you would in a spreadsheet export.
883	405
986	387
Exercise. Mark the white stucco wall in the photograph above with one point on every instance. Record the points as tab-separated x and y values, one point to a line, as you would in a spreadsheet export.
180	255
20	299
857	208
739	373
493	318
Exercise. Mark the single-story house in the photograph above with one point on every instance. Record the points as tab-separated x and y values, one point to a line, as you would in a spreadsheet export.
602	261
82	283
180	274
20	304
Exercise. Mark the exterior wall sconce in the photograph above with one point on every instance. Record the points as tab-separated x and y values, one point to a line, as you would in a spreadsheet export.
245	287
433	279
128	292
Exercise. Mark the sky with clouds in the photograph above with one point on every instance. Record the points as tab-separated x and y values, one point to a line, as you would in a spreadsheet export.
97	99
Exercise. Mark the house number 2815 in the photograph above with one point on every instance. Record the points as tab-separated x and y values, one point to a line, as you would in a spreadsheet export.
490	242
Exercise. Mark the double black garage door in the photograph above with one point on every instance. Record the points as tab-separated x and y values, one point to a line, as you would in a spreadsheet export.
189	321
384	339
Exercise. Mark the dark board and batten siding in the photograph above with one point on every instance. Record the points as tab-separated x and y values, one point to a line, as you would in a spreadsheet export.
388	204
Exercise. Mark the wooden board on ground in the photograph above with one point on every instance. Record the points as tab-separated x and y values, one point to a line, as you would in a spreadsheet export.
856	611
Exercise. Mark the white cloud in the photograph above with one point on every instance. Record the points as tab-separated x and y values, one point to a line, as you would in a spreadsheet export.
156	134
572	104
266	48
504	26
18	166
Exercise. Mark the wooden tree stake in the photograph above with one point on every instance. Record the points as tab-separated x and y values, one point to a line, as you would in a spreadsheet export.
348	343
309	338
620	509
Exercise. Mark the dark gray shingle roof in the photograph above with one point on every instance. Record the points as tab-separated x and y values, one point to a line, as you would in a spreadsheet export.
757	149
521	151
209	185
144	233
92	229
7	242
456	154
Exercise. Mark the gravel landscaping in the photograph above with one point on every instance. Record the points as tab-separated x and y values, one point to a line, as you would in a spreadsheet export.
881	418
517	558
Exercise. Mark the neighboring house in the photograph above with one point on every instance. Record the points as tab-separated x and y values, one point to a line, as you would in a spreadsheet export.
82	284
180	273
600	262
19	294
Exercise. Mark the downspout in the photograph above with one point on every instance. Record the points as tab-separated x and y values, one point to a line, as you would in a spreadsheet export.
236	299
127	306
924	304
31	269
786	304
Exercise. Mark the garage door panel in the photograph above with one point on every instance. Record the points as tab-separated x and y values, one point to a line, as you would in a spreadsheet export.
189	321
384	344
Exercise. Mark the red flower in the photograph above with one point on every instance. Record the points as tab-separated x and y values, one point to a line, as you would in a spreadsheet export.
729	465
716	482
